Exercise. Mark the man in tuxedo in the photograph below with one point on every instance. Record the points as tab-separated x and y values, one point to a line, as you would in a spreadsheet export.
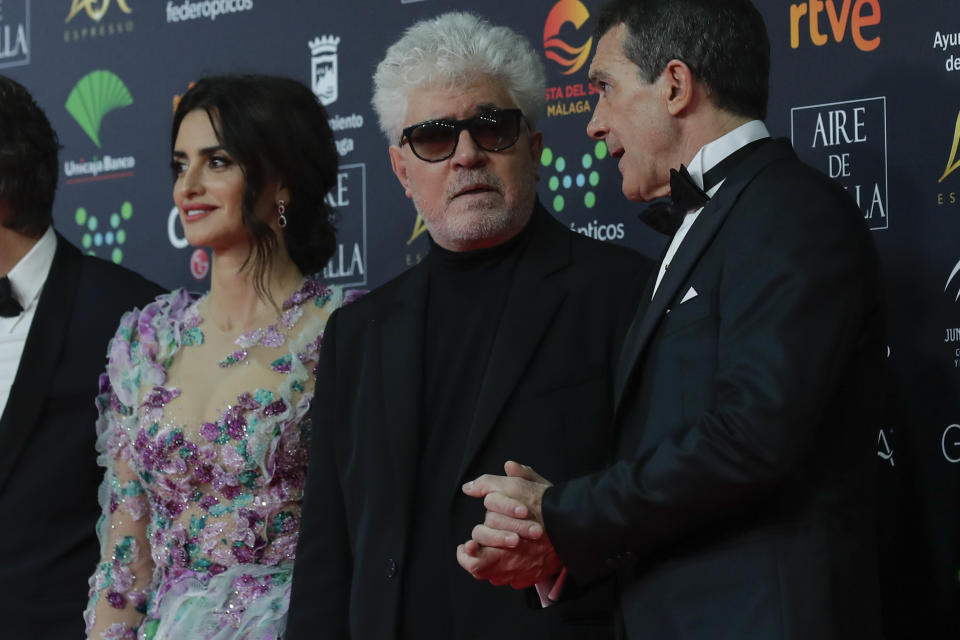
58	310
500	341
741	501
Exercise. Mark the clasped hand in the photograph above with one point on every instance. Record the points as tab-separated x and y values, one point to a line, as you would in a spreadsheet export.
511	546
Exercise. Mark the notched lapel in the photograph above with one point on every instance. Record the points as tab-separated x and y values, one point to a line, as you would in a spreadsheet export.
401	357
41	353
697	241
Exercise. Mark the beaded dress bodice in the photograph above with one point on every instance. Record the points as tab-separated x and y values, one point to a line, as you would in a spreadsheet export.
204	440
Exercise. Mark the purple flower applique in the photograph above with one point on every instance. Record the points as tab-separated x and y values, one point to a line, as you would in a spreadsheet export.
119	631
249	339
209	431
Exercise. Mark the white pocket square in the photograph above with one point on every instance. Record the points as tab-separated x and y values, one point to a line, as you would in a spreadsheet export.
691	293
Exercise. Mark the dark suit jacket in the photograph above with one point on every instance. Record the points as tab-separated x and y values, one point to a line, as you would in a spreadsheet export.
741	503
48	470
545	400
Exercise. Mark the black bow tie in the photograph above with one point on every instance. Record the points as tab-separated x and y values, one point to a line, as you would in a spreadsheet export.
667	215
9	307
686	195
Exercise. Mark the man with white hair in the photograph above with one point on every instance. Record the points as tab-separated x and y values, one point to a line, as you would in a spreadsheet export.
499	344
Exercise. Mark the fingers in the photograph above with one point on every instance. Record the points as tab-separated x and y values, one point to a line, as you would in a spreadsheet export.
517	470
524	528
485	484
496	538
480	565
504	505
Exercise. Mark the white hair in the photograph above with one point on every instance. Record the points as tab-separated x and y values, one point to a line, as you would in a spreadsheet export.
452	50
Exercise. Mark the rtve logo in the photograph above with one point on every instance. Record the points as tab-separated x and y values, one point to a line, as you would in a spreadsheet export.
567	56
851	17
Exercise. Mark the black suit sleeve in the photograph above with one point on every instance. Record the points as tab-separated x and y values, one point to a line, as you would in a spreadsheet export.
796	283
320	596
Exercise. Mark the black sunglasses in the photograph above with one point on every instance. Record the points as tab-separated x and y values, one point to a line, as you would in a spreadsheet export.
491	130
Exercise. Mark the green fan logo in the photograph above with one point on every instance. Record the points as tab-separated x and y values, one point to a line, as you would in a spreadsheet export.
94	96
107	239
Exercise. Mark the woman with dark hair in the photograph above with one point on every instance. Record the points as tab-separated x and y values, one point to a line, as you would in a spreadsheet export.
205	406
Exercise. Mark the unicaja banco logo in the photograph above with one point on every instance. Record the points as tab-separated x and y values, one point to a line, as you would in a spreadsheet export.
104	239
95	9
570	57
323	68
94	96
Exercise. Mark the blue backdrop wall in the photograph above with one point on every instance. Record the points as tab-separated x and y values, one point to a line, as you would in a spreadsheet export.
866	89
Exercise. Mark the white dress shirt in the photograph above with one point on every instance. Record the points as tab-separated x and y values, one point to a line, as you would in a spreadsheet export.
709	156
26	282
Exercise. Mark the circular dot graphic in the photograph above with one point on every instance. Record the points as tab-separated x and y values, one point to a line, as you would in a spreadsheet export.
553	183
114	220
108	236
587	161
567	181
546	158
121	236
589	199
558	203
98	238
581	180
561	165
92	223
117	256
126	210
86	241
600	150
81	216
594	178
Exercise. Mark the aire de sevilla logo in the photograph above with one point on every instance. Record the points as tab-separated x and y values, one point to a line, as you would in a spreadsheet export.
570	57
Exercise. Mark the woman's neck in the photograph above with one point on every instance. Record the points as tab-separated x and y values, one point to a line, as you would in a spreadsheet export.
233	304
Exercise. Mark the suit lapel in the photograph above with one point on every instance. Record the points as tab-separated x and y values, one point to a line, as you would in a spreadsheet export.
401	357
41	352
530	307
697	241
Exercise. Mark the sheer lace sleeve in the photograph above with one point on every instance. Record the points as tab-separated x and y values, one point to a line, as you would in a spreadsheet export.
120	586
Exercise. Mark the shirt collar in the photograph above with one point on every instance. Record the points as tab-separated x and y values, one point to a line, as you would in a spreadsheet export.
29	274
713	152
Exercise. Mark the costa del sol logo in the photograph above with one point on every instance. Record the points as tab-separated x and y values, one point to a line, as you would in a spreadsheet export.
571	58
104	239
323	68
96	11
14	33
93	97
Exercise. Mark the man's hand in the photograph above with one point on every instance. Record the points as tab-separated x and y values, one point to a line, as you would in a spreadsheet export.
511	546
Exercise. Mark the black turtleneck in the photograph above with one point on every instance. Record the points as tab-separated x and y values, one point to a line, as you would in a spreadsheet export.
465	299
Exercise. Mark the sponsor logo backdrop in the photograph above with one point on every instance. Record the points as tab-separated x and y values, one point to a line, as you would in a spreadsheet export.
866	90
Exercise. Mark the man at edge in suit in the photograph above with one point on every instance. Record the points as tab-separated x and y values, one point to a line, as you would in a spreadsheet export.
741	501
58	310
500	340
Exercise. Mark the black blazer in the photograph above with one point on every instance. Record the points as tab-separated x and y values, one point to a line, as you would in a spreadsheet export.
545	400
48	470
741	505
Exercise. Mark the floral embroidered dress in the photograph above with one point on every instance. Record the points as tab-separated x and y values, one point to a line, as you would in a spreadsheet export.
204	439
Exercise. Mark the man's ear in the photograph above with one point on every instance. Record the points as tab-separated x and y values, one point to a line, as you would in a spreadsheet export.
399	165
679	86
